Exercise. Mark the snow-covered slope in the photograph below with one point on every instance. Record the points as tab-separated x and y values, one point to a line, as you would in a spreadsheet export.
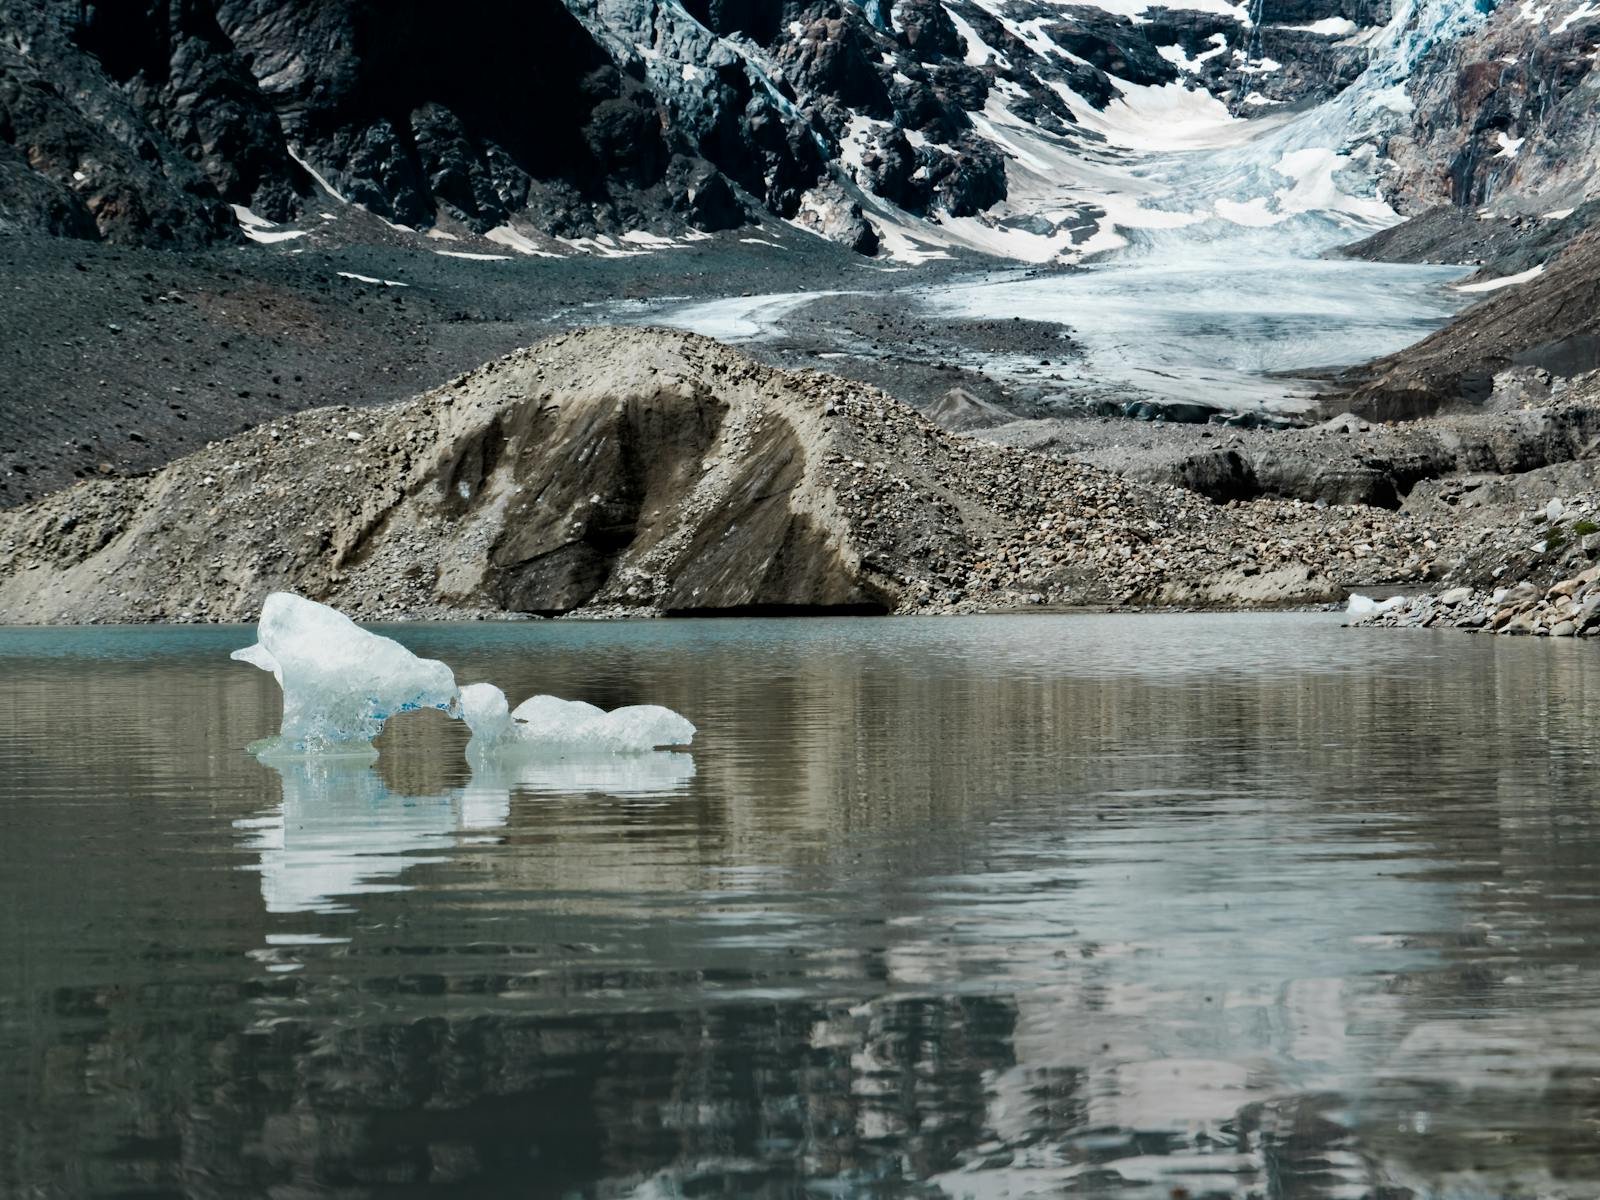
1035	129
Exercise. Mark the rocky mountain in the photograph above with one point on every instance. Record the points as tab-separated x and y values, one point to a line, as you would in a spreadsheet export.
189	138
1500	166
141	121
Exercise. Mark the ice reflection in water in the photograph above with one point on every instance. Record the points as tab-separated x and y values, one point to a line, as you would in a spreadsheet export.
997	907
340	833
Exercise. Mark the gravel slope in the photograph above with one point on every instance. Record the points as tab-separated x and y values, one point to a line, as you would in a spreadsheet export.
646	472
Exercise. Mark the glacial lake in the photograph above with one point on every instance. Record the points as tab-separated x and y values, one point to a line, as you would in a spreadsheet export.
1111	906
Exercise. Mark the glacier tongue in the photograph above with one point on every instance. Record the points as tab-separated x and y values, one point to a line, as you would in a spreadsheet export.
1169	170
341	683
1292	187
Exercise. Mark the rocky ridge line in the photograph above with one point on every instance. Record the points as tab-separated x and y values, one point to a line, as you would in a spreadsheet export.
140	122
654	472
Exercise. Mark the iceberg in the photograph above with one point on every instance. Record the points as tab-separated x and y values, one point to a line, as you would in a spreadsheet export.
340	683
546	723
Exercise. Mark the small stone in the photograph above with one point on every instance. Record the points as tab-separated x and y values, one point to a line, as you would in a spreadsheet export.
1563	629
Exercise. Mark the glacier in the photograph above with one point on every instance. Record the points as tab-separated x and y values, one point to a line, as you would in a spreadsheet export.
1200	239
1176	174
341	683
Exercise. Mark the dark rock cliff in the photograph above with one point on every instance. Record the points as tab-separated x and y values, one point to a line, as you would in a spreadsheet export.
139	121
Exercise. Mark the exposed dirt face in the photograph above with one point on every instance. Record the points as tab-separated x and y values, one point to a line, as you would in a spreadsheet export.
1549	323
640	471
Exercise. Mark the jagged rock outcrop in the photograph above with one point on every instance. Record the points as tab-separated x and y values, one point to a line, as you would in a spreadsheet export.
79	158
1504	113
139	121
1546	325
656	472
1348	461
408	114
1345	460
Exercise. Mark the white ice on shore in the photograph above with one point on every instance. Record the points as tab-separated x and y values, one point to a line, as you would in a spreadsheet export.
370	279
341	683
1361	607
259	229
1505	281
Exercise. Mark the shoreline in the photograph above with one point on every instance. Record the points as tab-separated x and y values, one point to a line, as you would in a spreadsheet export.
467	617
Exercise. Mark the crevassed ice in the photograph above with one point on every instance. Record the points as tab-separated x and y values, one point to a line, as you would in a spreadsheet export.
341	683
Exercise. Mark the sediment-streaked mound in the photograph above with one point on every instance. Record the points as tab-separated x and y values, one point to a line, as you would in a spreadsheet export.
653	472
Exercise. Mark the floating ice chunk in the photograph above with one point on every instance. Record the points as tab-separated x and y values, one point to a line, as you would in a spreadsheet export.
340	683
1361	607
547	723
487	713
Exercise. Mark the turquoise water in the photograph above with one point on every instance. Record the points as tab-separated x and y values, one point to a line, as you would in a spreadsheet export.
1130	906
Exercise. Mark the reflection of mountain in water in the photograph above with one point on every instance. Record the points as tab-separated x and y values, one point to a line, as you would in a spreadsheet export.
1107	906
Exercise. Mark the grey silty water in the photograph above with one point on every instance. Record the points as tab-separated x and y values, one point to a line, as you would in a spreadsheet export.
1103	906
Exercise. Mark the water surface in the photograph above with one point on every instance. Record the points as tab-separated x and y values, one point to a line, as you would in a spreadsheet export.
1011	906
